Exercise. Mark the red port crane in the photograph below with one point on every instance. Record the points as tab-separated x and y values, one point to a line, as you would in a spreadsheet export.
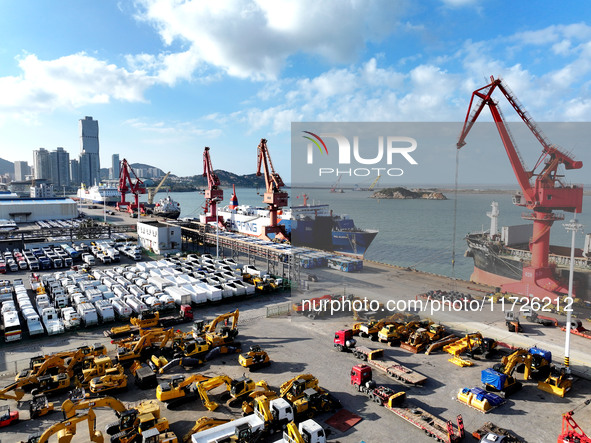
571	431
547	193
213	194
273	196
127	185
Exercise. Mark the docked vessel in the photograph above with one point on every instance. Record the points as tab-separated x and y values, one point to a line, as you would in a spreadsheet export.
499	257
309	225
167	208
99	194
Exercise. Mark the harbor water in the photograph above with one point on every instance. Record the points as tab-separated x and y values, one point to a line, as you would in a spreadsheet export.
412	233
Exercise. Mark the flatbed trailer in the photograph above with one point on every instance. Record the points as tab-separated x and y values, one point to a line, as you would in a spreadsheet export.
390	367
577	328
433	426
491	428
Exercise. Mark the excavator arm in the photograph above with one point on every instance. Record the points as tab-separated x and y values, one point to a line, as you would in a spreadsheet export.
205	386
18	391
66	429
69	407
229	315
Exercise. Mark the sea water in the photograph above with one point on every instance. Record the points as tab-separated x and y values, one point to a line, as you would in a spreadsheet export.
412	233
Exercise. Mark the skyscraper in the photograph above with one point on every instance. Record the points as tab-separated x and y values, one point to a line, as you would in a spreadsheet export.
90	165
115	166
60	167
21	170
74	172
42	164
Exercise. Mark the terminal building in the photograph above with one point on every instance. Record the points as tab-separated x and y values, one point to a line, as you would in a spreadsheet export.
27	210
158	237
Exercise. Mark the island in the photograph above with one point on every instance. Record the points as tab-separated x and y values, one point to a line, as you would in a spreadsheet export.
403	193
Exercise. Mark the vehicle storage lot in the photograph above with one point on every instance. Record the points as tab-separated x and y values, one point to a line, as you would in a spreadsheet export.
299	345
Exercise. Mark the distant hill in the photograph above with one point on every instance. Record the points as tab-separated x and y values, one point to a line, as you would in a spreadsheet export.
137	166
6	167
229	179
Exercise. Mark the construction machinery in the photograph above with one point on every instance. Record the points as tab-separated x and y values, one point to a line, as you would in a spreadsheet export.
66	430
471	344
114	379
254	359
546	194
144	376
571	431
274	197
94	367
535	363
512	321
150	320
153	339
479	399
226	334
559	381
179	389
419	339
153	191
294	388
137	420
127	185
40	406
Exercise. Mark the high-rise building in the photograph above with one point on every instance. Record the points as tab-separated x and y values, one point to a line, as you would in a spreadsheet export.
90	165
74	172
42	164
115	166
21	170
60	167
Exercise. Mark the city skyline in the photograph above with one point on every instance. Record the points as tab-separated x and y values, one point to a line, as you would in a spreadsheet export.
166	79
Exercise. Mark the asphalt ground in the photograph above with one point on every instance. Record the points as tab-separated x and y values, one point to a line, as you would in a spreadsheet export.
301	345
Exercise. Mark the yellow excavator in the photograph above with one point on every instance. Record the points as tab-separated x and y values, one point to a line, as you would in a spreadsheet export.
179	389
66	430
254	359
294	388
226	334
130	351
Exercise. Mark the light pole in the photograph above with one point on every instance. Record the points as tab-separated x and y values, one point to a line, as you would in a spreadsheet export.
574	227
104	209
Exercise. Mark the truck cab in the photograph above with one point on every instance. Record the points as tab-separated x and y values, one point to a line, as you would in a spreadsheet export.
360	375
343	340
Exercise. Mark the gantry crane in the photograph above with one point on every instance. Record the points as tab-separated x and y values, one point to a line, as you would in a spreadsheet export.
546	194
127	185
273	196
213	194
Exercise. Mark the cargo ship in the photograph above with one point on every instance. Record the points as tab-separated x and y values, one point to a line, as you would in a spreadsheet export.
99	194
308	225
499	257
167	208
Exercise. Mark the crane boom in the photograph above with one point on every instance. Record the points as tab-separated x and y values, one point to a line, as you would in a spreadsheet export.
273	196
546	194
213	194
153	191
126	185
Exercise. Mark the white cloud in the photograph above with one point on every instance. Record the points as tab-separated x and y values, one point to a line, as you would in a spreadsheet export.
254	38
69	82
180	130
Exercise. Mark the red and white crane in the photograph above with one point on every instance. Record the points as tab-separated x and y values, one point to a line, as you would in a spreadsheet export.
213	194
126	185
546	194
273	196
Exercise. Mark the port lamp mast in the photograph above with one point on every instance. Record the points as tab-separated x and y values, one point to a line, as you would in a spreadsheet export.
573	227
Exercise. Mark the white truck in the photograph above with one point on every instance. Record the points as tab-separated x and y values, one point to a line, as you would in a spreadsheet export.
60	301
249	269
310	432
180	295
51	321
88	259
33	322
105	311
137	306
88	314
122	309
71	318
213	294
159	282
249	428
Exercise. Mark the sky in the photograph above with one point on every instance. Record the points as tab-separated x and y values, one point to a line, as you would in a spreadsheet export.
166	78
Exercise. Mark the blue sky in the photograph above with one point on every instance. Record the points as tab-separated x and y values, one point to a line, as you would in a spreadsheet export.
166	78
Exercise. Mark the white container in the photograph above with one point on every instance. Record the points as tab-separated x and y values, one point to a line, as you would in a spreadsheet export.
122	309
71	318
88	314
105	311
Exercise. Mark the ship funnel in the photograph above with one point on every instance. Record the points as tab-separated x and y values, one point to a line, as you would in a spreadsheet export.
233	200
